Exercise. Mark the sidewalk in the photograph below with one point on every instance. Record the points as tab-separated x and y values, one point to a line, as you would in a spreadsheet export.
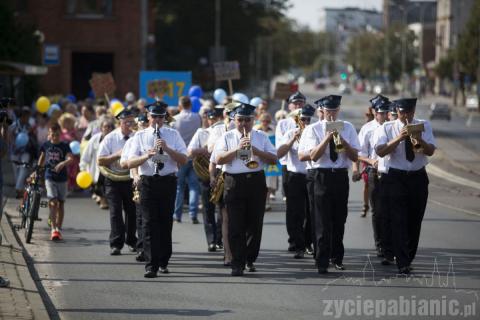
21	299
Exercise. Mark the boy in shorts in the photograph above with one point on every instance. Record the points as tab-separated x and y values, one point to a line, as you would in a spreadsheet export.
55	155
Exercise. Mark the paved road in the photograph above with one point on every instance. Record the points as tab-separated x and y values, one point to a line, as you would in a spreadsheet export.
84	282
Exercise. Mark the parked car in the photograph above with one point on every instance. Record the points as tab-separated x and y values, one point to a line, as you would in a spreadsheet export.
440	111
472	103
344	89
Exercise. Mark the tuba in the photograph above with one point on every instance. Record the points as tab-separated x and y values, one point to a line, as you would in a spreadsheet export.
248	161
415	132
336	127
200	166
115	175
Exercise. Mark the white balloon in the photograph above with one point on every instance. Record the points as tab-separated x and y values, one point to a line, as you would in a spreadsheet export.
240	97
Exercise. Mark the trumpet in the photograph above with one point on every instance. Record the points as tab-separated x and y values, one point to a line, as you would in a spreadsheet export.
335	127
415	132
300	125
249	162
136	194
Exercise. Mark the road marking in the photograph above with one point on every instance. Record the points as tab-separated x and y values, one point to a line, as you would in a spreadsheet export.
455	208
436	171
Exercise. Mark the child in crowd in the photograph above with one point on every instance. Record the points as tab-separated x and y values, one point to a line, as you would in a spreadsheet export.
55	156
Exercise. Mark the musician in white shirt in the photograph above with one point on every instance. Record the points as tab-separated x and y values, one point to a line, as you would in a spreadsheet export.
245	188
157	152
407	178
296	192
330	173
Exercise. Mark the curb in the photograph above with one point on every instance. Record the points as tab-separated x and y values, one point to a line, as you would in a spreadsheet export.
19	258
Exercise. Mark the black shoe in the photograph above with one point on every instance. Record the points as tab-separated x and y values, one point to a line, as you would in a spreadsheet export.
177	220
219	246
404	270
150	274
140	257
339	266
115	251
237	272
132	249
195	221
322	270
251	267
164	270
227	264
387	262
212	247
309	250
299	254
291	248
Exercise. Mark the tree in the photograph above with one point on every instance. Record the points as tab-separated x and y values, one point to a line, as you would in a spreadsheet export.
468	49
365	54
18	44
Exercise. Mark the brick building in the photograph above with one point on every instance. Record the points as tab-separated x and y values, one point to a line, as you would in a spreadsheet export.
85	36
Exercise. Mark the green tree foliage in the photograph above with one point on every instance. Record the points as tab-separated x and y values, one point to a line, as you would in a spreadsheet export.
17	42
185	31
444	68
371	53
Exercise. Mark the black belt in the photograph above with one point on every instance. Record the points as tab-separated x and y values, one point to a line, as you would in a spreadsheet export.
371	169
406	172
297	173
245	175
332	170
158	177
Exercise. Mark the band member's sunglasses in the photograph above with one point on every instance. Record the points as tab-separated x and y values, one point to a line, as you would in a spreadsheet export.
244	119
157	116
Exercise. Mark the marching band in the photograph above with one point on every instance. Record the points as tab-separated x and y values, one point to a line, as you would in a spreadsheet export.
229	157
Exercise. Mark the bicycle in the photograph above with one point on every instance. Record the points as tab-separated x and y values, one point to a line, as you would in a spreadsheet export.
31	201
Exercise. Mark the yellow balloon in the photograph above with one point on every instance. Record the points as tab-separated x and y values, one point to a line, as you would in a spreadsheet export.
116	107
84	179
43	104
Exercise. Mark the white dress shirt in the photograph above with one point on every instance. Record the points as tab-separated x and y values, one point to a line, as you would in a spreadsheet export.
144	140
231	139
88	160
314	134
112	143
293	163
397	158
282	127
200	139
216	131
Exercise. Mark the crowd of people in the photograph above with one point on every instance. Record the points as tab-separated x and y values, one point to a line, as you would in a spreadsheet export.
143	158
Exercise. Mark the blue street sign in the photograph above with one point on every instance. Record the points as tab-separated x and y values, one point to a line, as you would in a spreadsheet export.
168	86
51	54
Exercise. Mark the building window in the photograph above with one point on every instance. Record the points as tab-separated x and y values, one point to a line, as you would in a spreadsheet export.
89	8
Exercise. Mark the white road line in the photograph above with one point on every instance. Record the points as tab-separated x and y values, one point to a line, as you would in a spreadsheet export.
440	173
455	208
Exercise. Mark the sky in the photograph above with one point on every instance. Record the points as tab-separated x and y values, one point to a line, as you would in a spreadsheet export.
306	12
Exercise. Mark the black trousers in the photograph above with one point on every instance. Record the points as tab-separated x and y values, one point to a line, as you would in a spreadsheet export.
374	199
407	199
384	209
297	208
213	229
157	201
245	197
119	196
285	192
331	190
310	223
139	224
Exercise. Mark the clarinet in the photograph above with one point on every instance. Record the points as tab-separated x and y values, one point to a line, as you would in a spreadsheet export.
158	165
